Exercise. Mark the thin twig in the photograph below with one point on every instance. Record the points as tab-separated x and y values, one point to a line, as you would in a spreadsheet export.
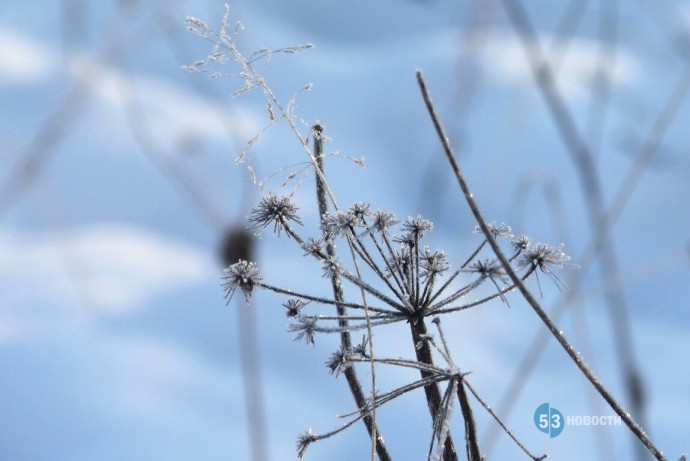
471	441
579	362
498	420
431	391
372	353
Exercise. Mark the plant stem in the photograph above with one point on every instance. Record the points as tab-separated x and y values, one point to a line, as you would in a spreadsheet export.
471	442
579	362
345	340
432	391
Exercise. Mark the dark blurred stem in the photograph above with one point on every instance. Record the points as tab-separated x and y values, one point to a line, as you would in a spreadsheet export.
432	391
345	341
579	362
252	381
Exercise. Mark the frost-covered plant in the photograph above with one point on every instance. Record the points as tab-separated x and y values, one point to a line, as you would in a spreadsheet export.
404	281
397	275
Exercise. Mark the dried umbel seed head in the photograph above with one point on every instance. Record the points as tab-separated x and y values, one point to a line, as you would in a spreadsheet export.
340	361
544	257
433	263
498	230
293	306
339	224
521	243
314	247
305	329
276	210
417	227
242	274
489	268
360	210
381	221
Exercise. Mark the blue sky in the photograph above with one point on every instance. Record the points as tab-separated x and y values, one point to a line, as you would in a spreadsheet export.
117	181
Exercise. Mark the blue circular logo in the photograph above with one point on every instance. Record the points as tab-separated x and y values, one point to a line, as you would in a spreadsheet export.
548	420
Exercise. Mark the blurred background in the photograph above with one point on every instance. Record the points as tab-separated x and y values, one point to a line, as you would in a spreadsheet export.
118	188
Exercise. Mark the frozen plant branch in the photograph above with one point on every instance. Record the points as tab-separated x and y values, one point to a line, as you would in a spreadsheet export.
338	294
579	362
502	424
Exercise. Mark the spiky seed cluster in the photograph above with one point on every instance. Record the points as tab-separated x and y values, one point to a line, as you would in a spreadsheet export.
382	221
360	211
339	361
521	243
417	227
498	230
242	274
339	224
361	349
313	247
305	328
344	222
544	257
490	268
274	209
343	358
293	306
303	442
432	264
